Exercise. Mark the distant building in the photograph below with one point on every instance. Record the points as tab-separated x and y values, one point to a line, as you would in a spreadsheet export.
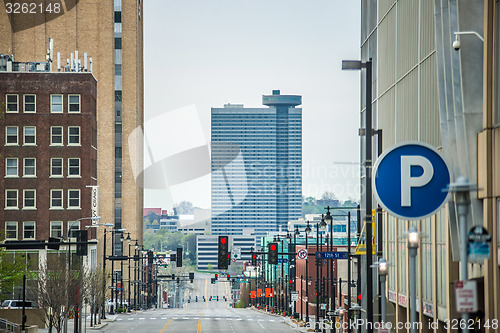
207	249
256	166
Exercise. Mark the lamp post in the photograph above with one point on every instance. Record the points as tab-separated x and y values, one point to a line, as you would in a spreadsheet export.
461	187
382	273
308	231
413	240
322	227
316	325
357	65
295	234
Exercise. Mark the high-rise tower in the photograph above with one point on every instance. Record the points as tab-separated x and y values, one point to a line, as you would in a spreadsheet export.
256	166
111	33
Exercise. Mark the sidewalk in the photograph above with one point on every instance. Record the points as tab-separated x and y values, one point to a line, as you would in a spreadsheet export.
71	325
293	323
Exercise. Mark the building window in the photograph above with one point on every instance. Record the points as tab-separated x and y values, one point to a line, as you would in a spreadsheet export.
29	135
73	167
56	136
11	136
118	70
426	254
118	43
74	199
56	199
401	225
441	262
29	199
74	103
56	103
118	17
73	226
56	167
11	199
29	167
12	105
10	230
118	95
29	230
11	167
74	135
29	103
56	229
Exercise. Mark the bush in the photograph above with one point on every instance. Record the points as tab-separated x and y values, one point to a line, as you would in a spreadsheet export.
240	305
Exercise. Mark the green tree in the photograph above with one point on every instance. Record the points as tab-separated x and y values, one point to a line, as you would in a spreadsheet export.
12	268
184	207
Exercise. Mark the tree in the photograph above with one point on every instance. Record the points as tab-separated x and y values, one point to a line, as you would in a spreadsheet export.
184	207
12	268
93	293
328	196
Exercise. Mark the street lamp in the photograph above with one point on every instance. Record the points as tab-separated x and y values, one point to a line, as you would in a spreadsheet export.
382	273
358	65
413	242
308	231
461	187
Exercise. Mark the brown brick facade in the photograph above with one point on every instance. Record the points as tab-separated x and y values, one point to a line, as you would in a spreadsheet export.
43	85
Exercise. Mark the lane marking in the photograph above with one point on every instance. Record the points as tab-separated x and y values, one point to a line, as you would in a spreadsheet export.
260	324
166	325
206	283
199	326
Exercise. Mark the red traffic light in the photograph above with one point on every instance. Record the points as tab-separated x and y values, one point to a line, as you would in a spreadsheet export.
223	240
216	275
359	297
291	281
272	247
254	256
228	276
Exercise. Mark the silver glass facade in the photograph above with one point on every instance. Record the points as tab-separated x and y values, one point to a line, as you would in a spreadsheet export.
256	166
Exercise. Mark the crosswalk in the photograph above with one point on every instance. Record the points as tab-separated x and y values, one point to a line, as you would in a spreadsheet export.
248	318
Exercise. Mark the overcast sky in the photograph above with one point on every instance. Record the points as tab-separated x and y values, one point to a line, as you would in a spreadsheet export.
202	54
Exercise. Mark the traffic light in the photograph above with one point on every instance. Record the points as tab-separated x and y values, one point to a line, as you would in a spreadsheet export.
212	280
216	276
228	277
173	257
254	260
273	253
191	278
291	281
223	252
179	257
81	237
359	299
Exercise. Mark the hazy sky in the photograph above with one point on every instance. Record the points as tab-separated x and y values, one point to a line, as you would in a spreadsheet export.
203	54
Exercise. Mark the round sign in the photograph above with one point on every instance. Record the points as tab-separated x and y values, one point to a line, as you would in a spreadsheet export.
409	180
302	254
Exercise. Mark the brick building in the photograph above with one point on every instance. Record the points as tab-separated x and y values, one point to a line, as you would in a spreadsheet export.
49	152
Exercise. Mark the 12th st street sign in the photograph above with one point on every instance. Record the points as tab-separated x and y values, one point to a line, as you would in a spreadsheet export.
409	179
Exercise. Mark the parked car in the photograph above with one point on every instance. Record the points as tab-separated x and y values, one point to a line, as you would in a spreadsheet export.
17	304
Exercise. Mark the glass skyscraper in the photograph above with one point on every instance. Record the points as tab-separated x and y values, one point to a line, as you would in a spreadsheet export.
256	166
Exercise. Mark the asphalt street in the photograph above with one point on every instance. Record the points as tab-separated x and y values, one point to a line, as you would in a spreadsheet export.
200	316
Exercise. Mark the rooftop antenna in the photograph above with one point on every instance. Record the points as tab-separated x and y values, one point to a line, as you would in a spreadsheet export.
58	61
90	64
50	53
66	69
72	61
85	61
77	67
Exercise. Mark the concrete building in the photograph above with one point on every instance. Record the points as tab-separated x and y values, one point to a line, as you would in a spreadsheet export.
425	90
256	166
111	34
207	249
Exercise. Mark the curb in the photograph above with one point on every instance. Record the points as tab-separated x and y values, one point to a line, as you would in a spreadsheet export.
98	327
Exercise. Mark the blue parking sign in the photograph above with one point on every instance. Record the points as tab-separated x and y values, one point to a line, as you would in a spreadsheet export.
409	180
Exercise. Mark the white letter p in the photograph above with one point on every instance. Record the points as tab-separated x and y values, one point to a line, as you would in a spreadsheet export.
407	181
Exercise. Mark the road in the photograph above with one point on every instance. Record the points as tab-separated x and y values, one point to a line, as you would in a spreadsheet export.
201	316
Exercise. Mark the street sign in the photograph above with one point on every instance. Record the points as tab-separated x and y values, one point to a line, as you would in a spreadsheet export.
330	313
302	254
295	297
466	296
332	255
479	244
409	179
282	260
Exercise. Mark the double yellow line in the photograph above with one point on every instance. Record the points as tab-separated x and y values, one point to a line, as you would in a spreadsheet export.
166	325
199	326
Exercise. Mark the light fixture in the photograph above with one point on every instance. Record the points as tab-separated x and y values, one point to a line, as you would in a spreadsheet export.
328	216
128	237
297	232
136	245
382	267
322	224
308	228
413	237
